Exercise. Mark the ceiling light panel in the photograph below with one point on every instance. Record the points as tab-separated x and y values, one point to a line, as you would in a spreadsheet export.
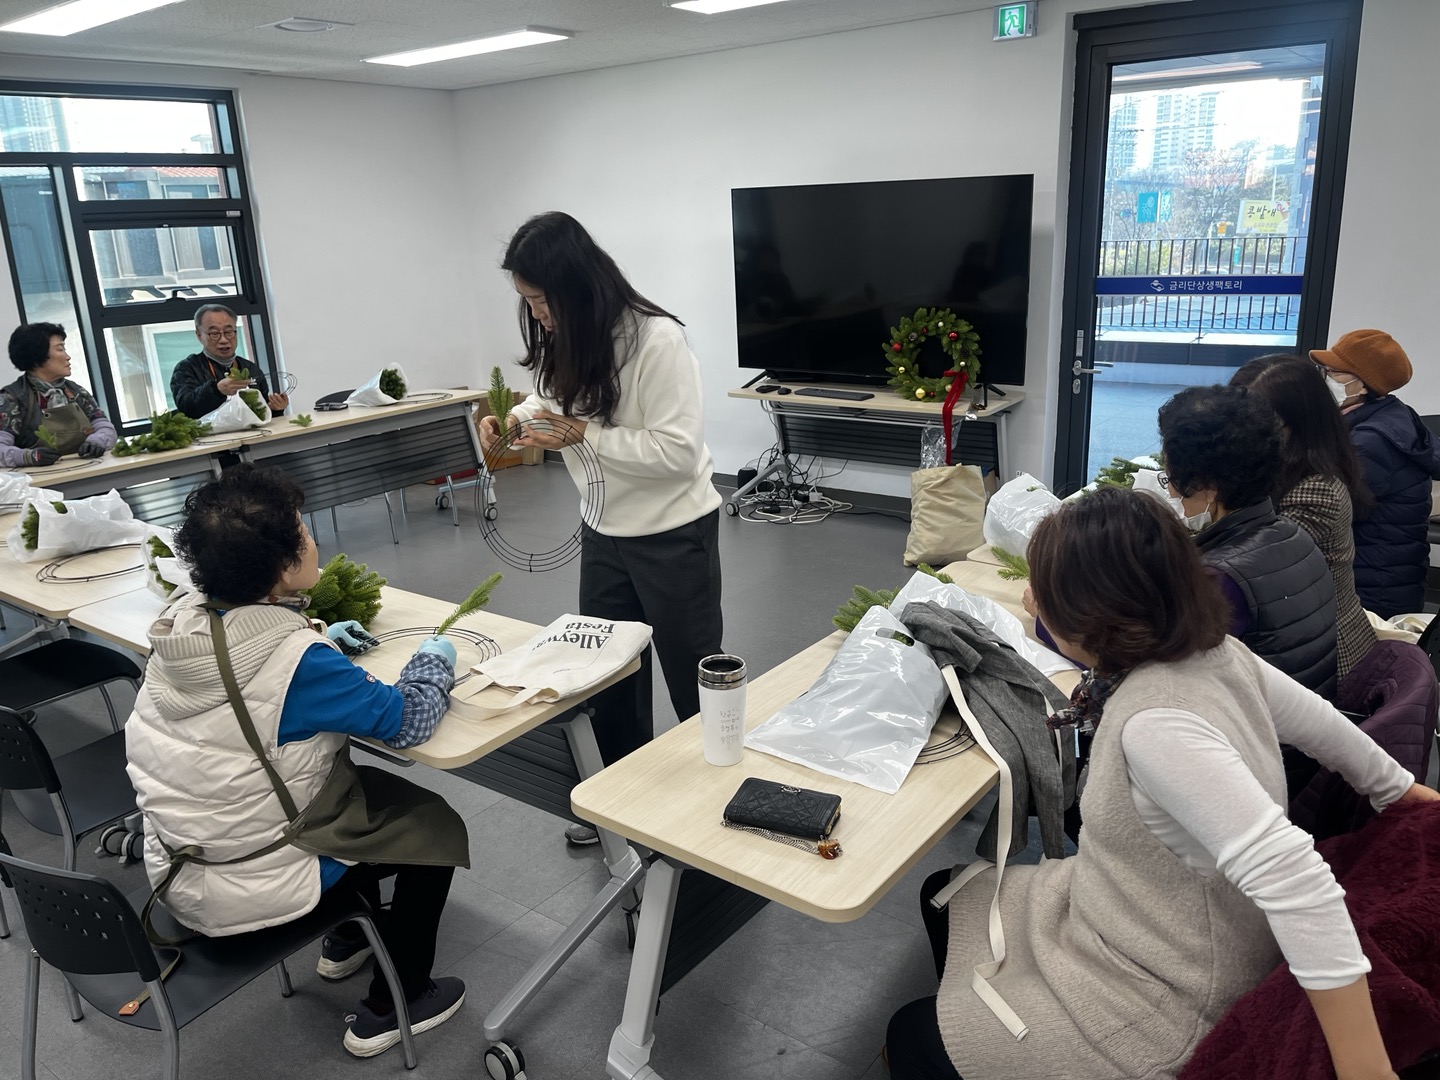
71	18
300	25
716	7
513	39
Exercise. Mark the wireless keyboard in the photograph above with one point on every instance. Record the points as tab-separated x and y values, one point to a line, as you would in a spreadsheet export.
822	391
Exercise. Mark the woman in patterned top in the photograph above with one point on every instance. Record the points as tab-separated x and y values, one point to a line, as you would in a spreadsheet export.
31	429
1319	485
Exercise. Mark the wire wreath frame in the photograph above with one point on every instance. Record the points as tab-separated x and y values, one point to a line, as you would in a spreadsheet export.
426	395
50	572
592	500
53	470
233	436
488	646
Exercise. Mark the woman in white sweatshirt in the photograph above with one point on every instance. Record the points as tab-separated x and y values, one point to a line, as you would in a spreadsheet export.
1190	884
613	370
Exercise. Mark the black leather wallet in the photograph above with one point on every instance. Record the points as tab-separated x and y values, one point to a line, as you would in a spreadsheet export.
794	811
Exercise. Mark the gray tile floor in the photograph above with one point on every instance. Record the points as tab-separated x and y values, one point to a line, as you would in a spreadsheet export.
785	997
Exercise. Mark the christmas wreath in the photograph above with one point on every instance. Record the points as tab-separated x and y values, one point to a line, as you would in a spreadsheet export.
960	342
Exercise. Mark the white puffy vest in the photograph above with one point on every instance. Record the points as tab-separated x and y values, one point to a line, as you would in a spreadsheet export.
198	780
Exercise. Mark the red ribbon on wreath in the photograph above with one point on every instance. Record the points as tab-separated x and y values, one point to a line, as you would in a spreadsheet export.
957	387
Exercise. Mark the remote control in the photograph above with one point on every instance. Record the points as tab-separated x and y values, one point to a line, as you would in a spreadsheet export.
823	391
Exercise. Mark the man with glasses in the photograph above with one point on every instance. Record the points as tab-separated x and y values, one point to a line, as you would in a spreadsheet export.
201	382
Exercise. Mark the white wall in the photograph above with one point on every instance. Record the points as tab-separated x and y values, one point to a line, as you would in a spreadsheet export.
645	156
1387	274
358	200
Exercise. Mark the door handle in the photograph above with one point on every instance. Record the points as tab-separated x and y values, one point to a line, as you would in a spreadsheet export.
1079	370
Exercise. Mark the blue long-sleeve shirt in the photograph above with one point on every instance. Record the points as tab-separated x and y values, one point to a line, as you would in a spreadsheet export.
329	693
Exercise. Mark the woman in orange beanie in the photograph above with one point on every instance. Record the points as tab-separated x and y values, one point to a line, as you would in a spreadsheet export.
1399	457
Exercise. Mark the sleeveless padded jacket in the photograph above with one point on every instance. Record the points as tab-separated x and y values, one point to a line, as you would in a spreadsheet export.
1287	587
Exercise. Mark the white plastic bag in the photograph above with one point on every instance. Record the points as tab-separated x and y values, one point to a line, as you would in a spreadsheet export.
370	393
100	521
1015	510
235	414
166	576
868	715
572	654
922	588
15	489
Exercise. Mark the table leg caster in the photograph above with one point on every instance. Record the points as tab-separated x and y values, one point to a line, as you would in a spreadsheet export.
442	501
503	1061
731	509
491	513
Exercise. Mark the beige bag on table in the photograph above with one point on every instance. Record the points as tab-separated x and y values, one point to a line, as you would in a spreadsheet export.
947	514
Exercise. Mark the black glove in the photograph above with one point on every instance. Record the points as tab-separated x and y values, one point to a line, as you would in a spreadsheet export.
91	448
41	455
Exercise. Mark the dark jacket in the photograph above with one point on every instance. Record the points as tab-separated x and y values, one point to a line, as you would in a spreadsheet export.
1400	458
1394	688
1287	587
193	383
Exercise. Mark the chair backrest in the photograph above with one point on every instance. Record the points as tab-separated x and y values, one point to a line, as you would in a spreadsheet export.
80	923
24	761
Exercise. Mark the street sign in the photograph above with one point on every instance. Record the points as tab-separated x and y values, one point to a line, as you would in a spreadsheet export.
1014	21
1166	202
1147	205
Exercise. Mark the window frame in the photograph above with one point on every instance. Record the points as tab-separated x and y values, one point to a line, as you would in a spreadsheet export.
80	219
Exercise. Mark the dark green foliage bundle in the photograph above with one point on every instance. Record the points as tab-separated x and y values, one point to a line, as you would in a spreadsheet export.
863	599
161	550
500	398
1012	567
346	590
1119	473
168	431
30	525
302	420
252	398
392	384
471	604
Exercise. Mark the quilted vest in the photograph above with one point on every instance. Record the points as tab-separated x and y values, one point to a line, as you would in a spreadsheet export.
1288	590
197	780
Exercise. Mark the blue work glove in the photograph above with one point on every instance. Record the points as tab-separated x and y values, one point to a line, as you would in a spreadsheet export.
91	448
440	647
351	637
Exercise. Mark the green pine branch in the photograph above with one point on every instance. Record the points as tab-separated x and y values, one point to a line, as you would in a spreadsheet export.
863	599
500	397
1012	567
471	604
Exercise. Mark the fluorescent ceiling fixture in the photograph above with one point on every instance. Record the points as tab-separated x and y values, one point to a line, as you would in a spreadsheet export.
715	7
80	15
1185	73
513	39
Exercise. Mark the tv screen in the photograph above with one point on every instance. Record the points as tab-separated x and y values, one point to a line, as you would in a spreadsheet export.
823	271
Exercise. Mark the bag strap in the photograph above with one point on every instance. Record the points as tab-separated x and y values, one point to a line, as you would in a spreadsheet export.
979	979
242	714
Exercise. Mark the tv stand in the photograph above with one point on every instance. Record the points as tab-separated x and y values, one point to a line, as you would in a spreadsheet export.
885	429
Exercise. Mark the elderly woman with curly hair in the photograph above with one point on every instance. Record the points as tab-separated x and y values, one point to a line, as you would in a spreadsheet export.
1222	448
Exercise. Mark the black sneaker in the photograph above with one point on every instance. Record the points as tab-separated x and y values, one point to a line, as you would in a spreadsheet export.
578	835
373	1033
343	952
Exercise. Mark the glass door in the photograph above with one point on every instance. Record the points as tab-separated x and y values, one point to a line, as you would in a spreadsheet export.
1208	216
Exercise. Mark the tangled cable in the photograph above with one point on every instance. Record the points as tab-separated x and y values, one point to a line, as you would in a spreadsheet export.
592	499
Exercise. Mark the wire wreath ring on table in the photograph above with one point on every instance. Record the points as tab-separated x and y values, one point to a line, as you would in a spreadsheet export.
488	646
50	572
592	500
233	436
426	395
53	470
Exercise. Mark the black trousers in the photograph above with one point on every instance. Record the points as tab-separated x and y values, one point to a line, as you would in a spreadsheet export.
670	580
410	925
912	1041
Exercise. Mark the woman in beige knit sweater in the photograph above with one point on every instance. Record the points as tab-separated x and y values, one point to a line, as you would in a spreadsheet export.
1320	486
1190	884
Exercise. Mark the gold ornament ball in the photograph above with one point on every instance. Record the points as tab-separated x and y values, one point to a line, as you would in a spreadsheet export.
947	386
920	393
900	371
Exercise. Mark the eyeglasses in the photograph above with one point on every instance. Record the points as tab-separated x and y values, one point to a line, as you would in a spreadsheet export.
216	335
1163	479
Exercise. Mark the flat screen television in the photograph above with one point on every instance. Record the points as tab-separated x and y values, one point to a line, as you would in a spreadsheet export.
823	271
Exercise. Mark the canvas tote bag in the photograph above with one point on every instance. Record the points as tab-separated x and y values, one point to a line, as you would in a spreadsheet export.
568	657
947	514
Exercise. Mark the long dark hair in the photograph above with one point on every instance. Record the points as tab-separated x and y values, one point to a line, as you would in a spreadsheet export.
1317	440
1151	600
577	366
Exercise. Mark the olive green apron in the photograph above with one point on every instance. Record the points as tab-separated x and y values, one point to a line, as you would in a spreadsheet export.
65	426
358	816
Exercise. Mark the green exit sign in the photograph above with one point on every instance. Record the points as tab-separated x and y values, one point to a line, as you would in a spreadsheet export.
1014	21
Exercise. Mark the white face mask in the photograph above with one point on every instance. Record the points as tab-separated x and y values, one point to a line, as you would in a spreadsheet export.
1194	522
1338	390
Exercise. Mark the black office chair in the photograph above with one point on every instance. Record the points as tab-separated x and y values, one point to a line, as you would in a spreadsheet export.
60	669
5	881
85	927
